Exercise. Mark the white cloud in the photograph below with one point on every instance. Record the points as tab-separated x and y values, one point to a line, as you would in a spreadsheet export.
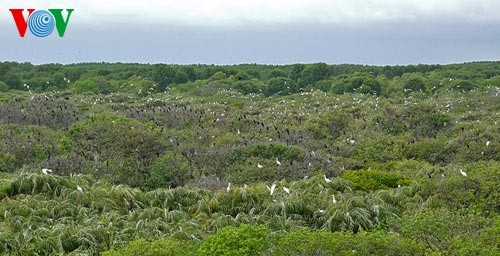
235	12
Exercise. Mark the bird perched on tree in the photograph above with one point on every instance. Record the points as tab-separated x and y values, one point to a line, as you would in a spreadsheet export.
46	171
271	189
259	166
327	180
278	161
463	173
228	187
287	190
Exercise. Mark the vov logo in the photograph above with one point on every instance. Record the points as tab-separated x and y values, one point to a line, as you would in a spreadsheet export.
41	23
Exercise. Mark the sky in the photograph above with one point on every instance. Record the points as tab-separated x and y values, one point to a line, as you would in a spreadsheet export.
374	32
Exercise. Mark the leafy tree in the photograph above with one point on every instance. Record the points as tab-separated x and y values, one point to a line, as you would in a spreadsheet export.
280	86
3	87
164	75
170	170
414	83
314	73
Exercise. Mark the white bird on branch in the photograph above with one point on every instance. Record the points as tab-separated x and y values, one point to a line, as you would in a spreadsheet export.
463	173
327	180
46	171
271	189
287	190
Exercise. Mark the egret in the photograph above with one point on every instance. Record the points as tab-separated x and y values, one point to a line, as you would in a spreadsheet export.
287	190
278	161
463	173
327	180
259	166
79	188
228	187
271	189
488	143
334	201
46	171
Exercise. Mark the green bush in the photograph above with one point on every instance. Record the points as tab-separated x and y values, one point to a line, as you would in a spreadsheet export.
160	247
304	242
374	179
235	241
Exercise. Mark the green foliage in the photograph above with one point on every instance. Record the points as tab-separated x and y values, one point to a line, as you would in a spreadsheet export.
3	87
269	151
414	83
183	133
7	162
160	247
170	170
374	179
280	86
357	82
443	231
242	240
343	243
129	147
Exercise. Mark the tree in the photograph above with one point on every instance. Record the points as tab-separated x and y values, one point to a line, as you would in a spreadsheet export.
413	83
164	75
170	170
280	86
314	73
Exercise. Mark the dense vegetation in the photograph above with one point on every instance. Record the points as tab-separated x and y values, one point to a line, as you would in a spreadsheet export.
304	159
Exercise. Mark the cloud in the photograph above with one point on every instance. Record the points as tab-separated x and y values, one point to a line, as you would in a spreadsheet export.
264	12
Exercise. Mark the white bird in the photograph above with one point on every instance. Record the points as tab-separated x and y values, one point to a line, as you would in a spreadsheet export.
228	187
46	171
334	201
278	161
259	166
271	189
239	131
488	143
327	180
399	186
79	188
287	190
463	173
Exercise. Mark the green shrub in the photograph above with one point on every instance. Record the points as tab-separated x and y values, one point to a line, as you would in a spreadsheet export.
304	242
235	241
160	247
374	179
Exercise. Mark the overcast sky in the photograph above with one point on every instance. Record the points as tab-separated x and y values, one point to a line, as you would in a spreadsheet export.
262	31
